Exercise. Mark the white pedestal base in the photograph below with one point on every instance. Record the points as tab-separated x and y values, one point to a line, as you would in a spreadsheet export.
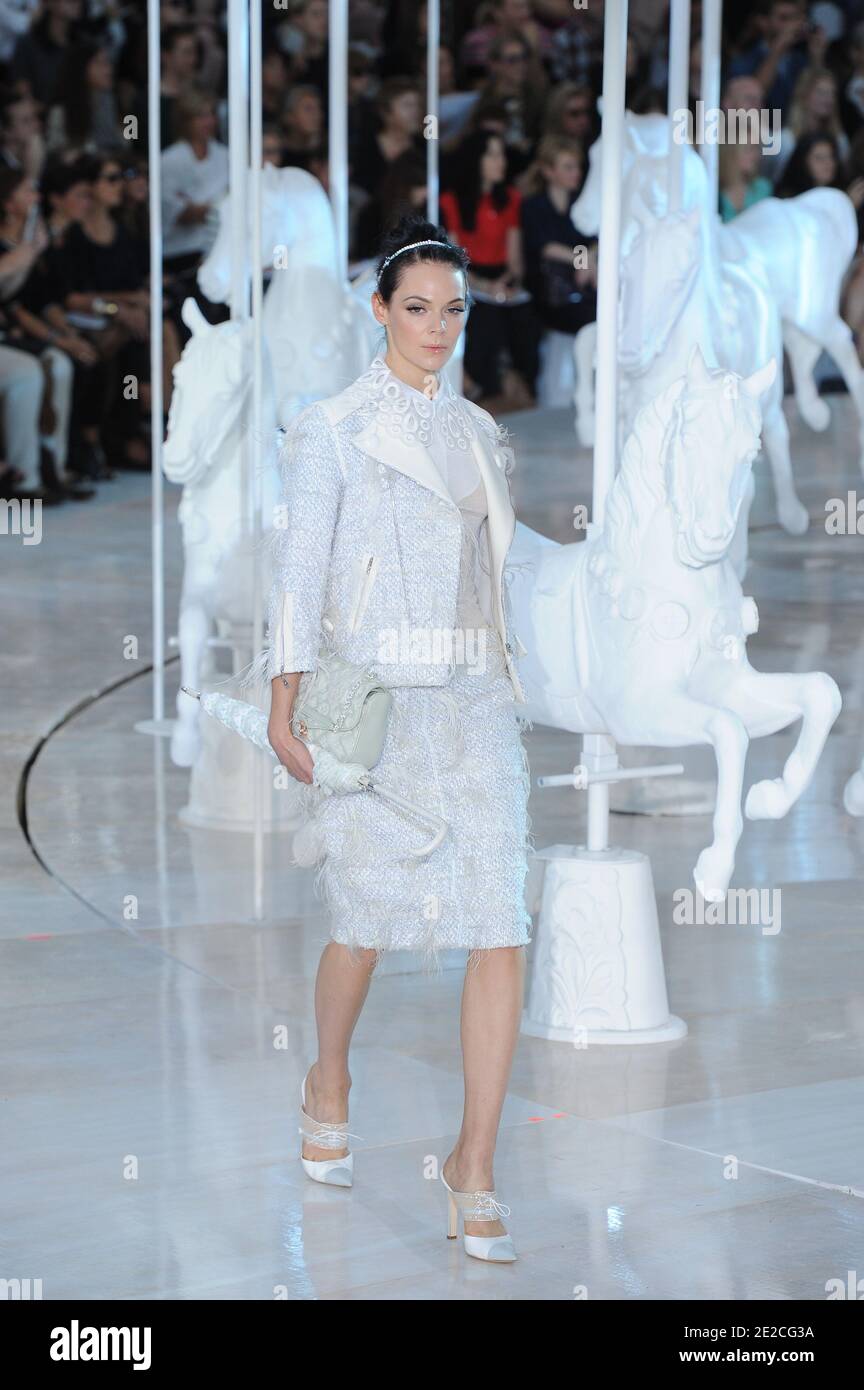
597	966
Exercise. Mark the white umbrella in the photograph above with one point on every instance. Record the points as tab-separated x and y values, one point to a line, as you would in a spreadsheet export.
328	772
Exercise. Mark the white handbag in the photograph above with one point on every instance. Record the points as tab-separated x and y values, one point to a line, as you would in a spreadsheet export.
343	708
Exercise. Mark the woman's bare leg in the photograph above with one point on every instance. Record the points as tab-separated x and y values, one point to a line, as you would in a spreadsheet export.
340	992
491	1012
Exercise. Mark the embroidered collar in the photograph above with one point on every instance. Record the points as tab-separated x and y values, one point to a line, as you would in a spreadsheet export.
413	417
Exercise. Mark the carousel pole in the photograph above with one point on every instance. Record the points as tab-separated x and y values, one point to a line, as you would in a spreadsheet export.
238	155
595	892
431	132
678	93
256	144
337	128
599	749
158	724
712	20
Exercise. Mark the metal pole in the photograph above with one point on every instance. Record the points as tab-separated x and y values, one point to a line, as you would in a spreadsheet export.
256	447
598	750
433	40
154	137
678	92
238	153
338	128
712	20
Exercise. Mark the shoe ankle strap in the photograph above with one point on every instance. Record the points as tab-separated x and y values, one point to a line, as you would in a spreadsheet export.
326	1135
483	1206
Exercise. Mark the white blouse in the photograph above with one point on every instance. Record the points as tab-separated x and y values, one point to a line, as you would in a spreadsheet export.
458	469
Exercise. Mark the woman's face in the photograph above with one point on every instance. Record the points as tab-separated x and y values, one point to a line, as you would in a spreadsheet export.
307	115
21	199
749	160
821	164
821	104
75	201
137	187
100	72
426	314
493	164
108	188
565	171
202	128
404	112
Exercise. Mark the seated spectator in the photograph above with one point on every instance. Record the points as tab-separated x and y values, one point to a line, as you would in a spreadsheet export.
103	270
494	19
571	111
180	63
304	39
39	54
194	180
21	143
274	84
786	48
272	150
813	112
23	241
577	48
565	297
741	184
83	118
852	96
402	190
15	20
814	163
399	116
481	211
517	82
302	125
852	296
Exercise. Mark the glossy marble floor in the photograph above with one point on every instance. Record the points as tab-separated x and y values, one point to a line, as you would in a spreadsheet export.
148	1122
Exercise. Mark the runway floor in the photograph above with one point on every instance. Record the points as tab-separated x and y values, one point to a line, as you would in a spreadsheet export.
148	1122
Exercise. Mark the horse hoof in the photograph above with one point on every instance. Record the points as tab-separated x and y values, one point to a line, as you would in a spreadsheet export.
712	876
816	414
853	795
185	746
767	800
794	518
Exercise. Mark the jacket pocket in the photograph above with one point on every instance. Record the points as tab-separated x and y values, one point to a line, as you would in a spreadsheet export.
368	567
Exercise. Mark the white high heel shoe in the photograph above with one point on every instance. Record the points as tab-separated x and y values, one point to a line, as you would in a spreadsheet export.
339	1172
478	1206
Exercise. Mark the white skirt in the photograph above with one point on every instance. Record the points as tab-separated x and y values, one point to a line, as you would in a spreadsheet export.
458	750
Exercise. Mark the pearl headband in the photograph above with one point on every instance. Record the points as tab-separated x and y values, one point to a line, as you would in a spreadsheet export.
413	246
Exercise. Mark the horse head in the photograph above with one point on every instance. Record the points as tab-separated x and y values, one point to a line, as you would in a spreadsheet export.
661	259
645	152
210	385
711	438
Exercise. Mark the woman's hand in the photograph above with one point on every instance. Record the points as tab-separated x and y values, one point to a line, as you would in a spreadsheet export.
290	750
77	348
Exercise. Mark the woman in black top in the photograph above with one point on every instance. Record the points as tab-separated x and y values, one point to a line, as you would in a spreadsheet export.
564	284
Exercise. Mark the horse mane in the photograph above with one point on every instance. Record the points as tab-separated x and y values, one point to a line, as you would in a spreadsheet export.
640	480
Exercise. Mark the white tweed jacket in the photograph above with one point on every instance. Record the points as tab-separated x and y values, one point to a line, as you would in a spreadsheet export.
367	540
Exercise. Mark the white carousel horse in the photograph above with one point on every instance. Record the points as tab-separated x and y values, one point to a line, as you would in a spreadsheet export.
782	241
655	616
673	295
320	336
208	435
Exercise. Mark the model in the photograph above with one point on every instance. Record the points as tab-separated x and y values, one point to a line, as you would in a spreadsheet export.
397	519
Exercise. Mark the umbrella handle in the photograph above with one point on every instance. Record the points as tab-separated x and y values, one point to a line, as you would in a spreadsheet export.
420	812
